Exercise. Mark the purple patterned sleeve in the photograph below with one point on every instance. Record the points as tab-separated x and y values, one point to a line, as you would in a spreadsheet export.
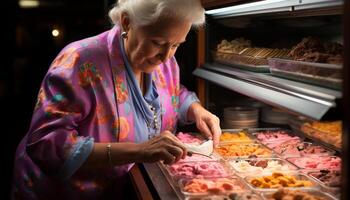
186	98
54	142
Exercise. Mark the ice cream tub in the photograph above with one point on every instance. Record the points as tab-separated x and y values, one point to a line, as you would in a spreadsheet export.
298	194
279	180
261	166
212	186
242	150
329	180
326	133
274	136
235	196
208	197
322	74
198	169
293	148
232	135
317	163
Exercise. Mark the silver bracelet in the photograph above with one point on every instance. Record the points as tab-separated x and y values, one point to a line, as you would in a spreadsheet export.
109	154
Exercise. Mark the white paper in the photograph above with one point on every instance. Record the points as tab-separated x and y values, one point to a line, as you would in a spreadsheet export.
205	148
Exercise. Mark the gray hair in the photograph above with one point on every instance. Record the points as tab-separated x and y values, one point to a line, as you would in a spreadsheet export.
145	12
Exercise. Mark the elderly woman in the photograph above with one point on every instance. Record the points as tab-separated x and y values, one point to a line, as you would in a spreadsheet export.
109	101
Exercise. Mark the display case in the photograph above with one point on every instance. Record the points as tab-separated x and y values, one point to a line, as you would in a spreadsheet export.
274	27
310	88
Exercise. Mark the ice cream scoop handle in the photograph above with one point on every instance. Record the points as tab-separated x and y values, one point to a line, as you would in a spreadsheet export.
190	153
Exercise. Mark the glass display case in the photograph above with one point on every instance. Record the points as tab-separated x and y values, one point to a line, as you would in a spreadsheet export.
305	79
241	45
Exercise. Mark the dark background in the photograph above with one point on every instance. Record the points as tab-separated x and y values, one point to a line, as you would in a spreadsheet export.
29	50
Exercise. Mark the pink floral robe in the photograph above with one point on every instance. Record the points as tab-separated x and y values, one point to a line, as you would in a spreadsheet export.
87	96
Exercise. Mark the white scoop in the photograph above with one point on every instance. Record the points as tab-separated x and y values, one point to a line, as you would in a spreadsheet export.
205	148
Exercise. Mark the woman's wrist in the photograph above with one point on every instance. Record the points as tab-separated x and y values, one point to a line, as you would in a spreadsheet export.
112	154
124	153
191	113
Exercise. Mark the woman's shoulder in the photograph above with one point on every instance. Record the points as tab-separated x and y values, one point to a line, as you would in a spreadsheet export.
92	49
87	46
86	55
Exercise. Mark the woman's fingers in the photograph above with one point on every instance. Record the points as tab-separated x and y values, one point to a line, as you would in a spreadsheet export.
170	154
166	157
210	127
165	147
214	124
203	127
176	152
172	139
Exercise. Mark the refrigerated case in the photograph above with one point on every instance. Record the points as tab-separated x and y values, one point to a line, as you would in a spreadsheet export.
278	24
270	24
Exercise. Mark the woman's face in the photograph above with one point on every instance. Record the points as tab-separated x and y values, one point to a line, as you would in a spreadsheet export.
148	46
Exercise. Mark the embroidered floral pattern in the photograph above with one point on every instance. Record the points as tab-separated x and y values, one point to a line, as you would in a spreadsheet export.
67	59
121	89
61	109
122	127
102	116
89	75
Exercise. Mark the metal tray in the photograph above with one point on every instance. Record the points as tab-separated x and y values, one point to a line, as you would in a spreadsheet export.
325	75
198	167
297	123
241	146
312	167
282	148
256	131
313	192
174	185
255	162
297	176
325	187
242	62
236	196
233	180
250	138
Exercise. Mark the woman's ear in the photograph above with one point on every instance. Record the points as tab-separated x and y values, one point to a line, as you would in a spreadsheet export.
125	21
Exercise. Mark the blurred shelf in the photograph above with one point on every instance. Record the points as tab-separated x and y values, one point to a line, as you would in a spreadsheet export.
272	6
303	99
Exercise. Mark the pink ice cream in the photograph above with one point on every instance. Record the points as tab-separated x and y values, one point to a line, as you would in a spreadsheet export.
320	162
197	158
212	186
203	169
190	138
196	143
294	148
276	137
282	143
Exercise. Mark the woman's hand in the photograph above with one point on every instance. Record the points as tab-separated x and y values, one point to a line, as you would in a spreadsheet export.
165	147
206	122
